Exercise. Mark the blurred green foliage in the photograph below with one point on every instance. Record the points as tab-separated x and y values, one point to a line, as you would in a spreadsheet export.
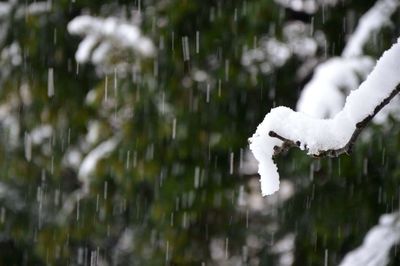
147	185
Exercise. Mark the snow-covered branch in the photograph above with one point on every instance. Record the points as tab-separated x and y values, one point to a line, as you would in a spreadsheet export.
375	249
103	37
324	95
272	53
11	10
307	6
372	21
92	158
6	9
283	128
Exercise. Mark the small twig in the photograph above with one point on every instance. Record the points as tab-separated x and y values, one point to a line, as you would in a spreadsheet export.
286	143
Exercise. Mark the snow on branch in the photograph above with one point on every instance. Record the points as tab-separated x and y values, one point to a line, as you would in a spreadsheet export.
324	95
376	18
307	6
12	10
89	163
37	8
376	246
85	172
284	128
103	37
272	53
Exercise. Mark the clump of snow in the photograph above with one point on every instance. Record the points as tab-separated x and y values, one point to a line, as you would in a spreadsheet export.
10	197
89	163
11	54
272	53
217	249
285	249
307	6
72	158
323	96
40	133
36	8
376	17
200	75
5	9
300	39
376	246
124	245
93	134
317	135
9	120
24	9
103	37
10	57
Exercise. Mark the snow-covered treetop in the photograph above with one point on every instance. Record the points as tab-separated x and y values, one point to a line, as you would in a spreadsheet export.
283	127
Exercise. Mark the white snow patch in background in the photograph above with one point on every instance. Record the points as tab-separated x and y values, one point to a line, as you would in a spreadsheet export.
82	55
376	246
217	248
93	134
41	133
72	158
37	8
307	6
285	249
124	245
376	17
31	9
9	121
5	9
104	36
89	163
317	135
10	196
249	165
272	53
11	54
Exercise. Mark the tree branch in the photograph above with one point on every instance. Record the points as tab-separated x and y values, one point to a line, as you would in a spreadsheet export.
347	149
284	128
